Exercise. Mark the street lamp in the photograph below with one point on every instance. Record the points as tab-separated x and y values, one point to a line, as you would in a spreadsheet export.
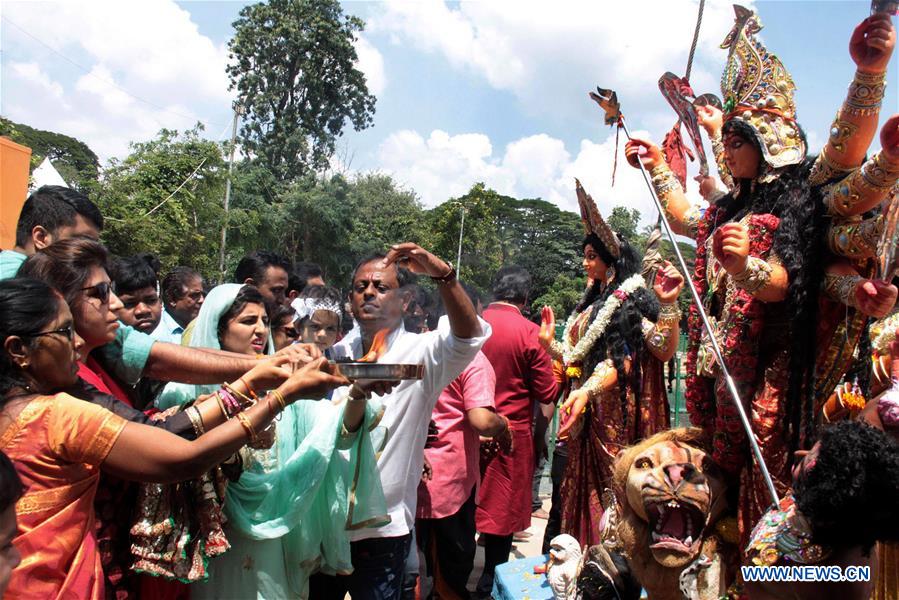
461	230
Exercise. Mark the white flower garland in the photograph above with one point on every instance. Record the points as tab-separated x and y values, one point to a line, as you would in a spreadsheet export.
887	334
599	324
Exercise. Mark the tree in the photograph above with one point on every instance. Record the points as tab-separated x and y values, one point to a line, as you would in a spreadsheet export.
77	163
293	66
383	214
146	211
625	221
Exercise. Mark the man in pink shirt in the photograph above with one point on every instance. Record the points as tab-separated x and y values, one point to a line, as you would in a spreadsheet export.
524	378
445	525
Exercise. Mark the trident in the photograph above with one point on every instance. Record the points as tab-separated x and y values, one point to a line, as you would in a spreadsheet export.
608	100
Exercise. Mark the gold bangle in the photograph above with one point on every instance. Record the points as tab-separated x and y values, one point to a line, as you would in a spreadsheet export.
856	238
669	312
755	276
663	180
280	398
879	173
221	404
842	288
196	420
866	93
718	150
594	383
826	169
248	402
248	427
249	388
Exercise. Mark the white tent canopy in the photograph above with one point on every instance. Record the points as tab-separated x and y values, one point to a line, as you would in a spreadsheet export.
46	174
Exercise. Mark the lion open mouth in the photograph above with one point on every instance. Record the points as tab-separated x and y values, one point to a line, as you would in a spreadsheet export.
675	526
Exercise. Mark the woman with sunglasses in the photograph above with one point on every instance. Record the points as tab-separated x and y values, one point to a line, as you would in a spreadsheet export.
77	268
277	543
59	444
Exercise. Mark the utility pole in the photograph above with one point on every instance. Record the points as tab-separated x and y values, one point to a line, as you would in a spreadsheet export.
238	110
459	253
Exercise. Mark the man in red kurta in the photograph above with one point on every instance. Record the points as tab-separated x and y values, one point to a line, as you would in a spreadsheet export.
523	376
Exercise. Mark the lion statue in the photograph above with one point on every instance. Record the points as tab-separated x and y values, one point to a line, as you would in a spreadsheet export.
668	498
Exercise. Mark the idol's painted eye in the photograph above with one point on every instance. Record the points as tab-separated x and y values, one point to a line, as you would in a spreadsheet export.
643	463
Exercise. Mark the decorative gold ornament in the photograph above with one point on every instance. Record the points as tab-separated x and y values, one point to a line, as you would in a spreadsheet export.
857	238
840	132
594	223
758	89
866	94
755	276
842	288
826	169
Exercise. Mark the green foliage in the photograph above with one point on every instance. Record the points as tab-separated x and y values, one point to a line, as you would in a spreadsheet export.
562	296
77	163
625	221
293	66
185	229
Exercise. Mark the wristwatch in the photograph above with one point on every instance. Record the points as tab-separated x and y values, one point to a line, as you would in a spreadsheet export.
450	275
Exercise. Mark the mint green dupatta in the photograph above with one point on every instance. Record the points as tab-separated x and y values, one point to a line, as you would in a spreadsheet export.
306	491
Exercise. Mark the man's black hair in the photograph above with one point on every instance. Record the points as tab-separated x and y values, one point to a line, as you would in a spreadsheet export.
52	207
512	284
132	273
299	277
404	277
253	266
174	284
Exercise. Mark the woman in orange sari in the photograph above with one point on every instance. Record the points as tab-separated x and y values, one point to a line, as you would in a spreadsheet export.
58	443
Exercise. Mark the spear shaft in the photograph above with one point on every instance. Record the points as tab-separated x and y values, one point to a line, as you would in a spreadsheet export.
731	386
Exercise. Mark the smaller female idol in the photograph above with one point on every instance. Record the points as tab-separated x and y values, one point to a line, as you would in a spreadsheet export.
613	351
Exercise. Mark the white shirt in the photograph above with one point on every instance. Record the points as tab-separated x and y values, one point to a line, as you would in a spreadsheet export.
407	411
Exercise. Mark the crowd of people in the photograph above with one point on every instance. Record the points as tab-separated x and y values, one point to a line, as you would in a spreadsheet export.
164	438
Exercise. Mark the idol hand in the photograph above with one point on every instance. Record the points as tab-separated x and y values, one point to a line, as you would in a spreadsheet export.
711	118
875	298
547	327
872	43
889	139
646	152
730	245
668	284
572	411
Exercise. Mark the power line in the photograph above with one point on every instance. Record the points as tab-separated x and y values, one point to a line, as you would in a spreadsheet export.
107	81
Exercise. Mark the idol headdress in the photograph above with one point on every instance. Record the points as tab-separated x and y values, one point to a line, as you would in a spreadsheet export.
757	89
594	223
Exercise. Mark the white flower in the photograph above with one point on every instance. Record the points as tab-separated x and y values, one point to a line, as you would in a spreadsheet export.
599	324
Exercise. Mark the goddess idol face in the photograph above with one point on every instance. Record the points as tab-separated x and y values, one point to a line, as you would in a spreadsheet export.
743	158
594	267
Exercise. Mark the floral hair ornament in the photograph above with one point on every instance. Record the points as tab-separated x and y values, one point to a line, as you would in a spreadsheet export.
757	89
306	307
593	221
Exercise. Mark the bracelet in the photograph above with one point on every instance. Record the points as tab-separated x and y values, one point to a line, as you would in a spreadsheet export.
879	173
230	403
594	383
249	388
221	404
755	276
663	180
842	287
669	313
450	276
866	93
840	132
856	239
247	402
248	427
280	398
556	350
826	169
196	420
273	411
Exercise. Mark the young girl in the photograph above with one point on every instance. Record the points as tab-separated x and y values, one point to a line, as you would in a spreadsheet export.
318	316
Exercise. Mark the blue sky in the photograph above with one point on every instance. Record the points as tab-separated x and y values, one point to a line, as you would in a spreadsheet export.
473	91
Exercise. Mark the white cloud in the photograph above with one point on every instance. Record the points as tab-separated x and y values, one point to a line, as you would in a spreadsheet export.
174	75
550	54
444	166
372	64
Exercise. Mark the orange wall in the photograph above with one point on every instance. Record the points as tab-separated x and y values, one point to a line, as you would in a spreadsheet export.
14	163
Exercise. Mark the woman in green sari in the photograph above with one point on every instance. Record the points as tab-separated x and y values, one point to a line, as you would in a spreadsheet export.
289	511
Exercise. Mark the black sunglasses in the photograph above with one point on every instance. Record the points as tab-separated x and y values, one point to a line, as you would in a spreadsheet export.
99	291
68	331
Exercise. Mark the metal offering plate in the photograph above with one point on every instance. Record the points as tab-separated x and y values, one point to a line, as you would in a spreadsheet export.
379	371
